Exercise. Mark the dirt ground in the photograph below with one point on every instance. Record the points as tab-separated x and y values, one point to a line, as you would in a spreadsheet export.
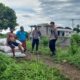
66	69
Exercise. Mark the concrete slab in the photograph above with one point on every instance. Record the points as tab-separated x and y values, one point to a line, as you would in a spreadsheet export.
17	54
7	49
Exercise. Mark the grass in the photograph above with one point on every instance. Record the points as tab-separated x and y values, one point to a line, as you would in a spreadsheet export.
34	70
3	35
11	69
42	49
63	54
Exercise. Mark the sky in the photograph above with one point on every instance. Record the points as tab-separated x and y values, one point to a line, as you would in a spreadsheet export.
31	12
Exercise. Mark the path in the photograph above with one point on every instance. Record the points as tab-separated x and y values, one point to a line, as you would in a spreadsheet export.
67	70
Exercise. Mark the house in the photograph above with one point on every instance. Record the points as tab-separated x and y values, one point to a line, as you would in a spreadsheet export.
62	32
45	30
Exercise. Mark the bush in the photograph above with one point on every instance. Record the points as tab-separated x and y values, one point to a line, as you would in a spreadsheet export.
4	63
44	41
75	43
64	55
3	35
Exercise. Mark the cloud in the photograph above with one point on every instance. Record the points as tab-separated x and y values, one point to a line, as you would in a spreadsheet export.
61	9
40	11
28	11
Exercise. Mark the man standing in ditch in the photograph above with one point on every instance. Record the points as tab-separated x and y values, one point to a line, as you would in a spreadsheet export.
22	37
53	37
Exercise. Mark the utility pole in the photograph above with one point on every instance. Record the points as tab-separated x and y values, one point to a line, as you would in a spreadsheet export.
72	20
72	23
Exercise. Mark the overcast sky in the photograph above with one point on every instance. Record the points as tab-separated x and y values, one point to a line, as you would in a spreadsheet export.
41	11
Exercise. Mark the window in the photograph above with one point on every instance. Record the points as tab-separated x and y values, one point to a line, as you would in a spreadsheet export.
58	33
63	33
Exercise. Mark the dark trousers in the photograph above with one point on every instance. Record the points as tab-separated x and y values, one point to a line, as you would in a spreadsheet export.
52	46
35	42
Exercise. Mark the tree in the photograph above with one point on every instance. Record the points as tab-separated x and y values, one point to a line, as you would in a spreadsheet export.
77	29
7	17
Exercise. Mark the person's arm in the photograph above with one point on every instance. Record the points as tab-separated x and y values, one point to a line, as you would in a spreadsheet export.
32	33
7	38
56	34
27	36
39	33
17	35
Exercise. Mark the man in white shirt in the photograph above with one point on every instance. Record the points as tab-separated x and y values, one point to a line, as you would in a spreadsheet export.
53	38
35	38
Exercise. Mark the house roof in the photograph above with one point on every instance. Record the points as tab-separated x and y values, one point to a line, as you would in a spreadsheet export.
67	28
60	27
47	25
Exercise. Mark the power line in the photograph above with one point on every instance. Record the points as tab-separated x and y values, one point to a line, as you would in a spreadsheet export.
73	22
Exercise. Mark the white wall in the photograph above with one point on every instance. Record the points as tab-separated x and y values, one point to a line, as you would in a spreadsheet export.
67	32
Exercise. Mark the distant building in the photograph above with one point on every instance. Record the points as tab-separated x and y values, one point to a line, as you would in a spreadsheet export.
62	32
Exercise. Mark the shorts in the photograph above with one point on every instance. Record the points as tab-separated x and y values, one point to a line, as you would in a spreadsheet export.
23	44
13	44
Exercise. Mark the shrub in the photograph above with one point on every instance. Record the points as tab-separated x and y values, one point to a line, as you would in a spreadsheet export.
4	63
44	41
3	35
75	43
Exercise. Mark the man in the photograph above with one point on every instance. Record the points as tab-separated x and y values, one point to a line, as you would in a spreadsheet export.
53	38
11	41
35	38
22	36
